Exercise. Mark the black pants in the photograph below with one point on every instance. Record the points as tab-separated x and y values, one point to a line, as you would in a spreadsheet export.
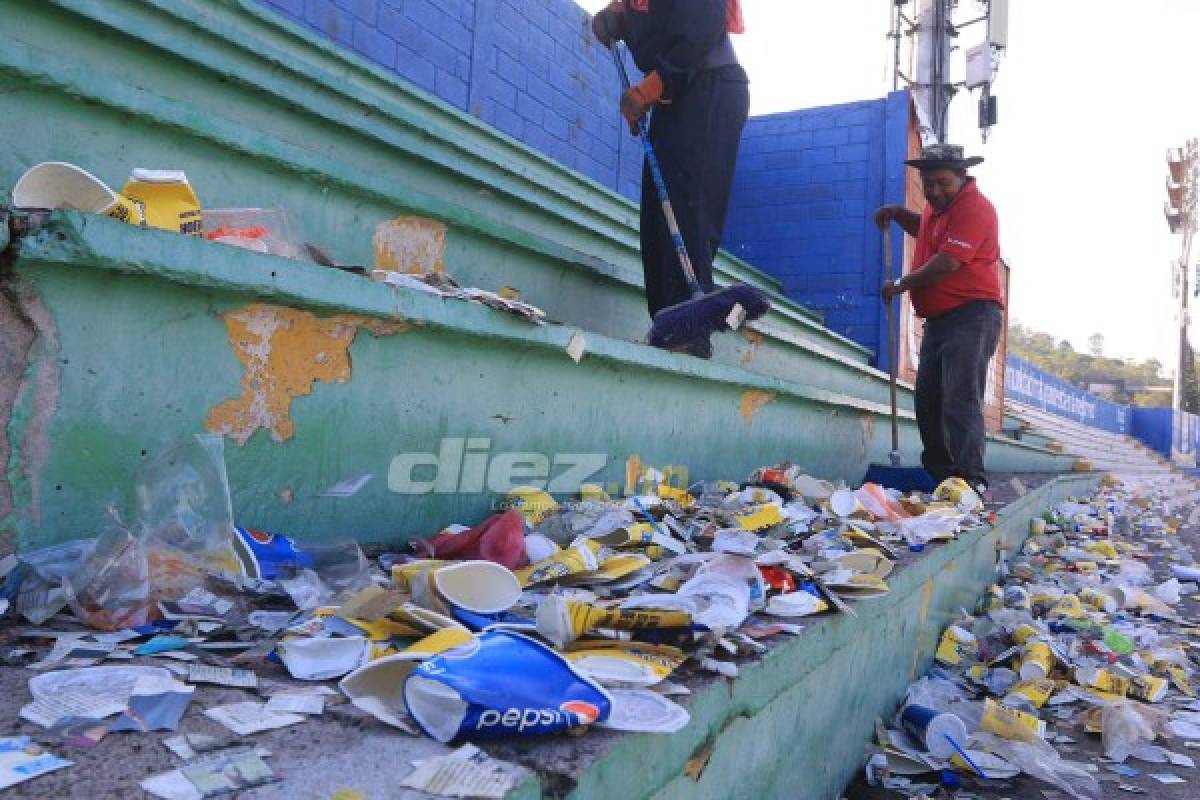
696	140
951	378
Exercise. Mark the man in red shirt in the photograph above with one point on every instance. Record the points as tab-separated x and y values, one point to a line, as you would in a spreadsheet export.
955	285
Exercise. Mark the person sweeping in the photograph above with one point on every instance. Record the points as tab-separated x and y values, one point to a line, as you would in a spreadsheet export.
700	99
955	285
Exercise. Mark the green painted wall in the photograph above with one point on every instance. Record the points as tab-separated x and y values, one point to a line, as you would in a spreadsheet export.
132	353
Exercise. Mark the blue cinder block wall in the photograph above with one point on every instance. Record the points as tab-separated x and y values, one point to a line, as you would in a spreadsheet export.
531	69
806	185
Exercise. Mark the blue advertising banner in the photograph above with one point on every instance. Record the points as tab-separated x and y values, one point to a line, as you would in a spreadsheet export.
1027	384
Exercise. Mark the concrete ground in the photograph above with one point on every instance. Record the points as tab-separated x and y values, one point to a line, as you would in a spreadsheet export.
343	753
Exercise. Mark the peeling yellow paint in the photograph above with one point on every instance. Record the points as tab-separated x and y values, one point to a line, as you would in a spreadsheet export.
752	402
412	245
755	339
284	352
633	473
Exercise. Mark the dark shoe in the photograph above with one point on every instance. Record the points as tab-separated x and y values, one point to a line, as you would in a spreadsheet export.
700	348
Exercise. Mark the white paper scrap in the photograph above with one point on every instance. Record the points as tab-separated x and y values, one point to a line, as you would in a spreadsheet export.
249	717
737	315
465	773
222	676
576	346
20	761
289	703
49	709
1166	777
348	487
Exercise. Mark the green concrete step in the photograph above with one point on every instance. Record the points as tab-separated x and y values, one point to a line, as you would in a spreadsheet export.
126	340
259	111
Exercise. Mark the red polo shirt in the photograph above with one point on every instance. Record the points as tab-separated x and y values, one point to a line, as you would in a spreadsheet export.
968	231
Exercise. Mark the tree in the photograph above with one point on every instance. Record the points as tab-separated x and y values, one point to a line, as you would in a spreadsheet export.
1059	358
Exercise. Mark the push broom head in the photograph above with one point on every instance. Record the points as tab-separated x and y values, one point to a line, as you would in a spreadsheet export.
704	315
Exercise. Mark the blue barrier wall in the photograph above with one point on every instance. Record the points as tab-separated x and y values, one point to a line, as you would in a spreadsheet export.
1156	428
1152	427
531	69
807	183
1027	384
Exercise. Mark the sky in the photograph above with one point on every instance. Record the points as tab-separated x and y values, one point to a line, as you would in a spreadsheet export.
1091	94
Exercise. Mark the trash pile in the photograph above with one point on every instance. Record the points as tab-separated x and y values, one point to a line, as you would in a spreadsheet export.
1077	665
542	618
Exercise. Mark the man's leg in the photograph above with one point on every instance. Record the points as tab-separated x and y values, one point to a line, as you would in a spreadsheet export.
927	401
965	358
725	120
696	140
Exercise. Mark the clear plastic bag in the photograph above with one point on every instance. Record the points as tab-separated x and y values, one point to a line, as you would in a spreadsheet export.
263	230
35	586
1040	760
1125	727
183	515
934	691
328	571
111	591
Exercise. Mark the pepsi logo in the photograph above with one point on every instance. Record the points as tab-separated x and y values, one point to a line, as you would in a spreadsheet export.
585	711
262	537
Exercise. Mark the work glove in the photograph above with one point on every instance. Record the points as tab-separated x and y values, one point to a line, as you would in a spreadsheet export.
609	24
641	98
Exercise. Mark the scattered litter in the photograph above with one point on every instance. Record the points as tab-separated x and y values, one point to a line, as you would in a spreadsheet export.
468	772
1078	632
222	676
155	705
48	710
188	745
294	703
214	774
250	717
644	711
1167	777
21	760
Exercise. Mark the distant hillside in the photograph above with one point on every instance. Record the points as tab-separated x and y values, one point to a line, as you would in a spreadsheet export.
1059	358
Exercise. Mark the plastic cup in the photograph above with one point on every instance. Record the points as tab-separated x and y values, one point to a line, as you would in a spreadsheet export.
935	730
484	587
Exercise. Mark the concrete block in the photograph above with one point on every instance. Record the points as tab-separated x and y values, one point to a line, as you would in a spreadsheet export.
413	66
376	46
451	88
830	136
365	10
851	152
336	23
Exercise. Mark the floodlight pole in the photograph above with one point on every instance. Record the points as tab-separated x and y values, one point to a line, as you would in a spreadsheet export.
1183	193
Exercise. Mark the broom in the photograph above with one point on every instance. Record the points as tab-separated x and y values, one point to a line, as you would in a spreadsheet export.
702	314
893	475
